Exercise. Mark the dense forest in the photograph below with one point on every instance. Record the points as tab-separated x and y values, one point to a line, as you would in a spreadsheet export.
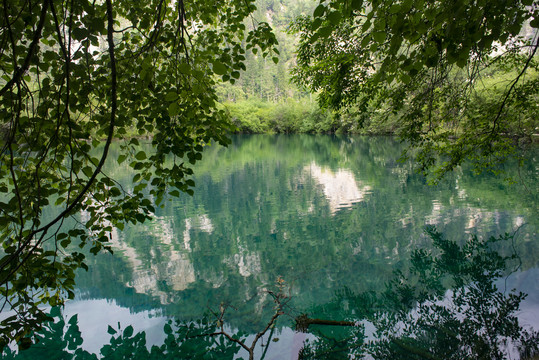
264	99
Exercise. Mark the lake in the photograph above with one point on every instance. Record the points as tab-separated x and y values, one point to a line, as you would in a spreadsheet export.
314	217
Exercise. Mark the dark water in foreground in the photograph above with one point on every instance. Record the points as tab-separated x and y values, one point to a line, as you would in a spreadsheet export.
321	218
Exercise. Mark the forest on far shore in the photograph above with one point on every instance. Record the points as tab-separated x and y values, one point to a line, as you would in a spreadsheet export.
265	99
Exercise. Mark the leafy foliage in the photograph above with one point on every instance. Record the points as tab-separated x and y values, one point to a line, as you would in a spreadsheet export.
74	76
426	62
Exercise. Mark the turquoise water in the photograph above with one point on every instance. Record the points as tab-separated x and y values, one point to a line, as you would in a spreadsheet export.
319	215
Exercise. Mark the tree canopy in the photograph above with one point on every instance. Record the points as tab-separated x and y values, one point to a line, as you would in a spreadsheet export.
428	63
75	75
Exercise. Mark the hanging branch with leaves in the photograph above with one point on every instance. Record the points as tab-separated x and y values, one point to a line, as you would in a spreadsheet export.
74	76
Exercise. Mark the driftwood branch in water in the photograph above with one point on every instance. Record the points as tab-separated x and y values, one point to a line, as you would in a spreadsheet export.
280	298
303	322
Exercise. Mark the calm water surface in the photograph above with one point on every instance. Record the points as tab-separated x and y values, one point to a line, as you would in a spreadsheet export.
325	214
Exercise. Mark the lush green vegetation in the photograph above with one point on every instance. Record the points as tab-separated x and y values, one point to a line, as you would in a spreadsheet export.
268	78
458	79
291	116
427	93
453	78
305	115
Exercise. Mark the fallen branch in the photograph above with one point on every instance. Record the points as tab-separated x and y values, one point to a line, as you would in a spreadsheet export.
303	322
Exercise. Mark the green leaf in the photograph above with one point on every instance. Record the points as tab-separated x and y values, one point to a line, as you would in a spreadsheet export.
185	68
357	4
87	171
79	33
405	78
379	36
316	24
171	96
366	26
111	331
141	155
380	24
325	31
394	9
121	158
219	68
366	40
334	17
65	243
147	63
275	59
128	332
115	192
173	109
319	11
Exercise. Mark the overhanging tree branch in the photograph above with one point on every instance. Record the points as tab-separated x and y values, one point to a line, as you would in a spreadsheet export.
57	102
31	50
97	171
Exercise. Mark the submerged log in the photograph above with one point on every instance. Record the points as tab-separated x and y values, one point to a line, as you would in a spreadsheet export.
303	322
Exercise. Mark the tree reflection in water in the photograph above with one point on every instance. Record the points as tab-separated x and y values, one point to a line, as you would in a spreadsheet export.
59	340
444	305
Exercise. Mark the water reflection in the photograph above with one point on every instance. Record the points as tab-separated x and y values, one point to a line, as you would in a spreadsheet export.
340	187
176	270
201	222
453	301
269	206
